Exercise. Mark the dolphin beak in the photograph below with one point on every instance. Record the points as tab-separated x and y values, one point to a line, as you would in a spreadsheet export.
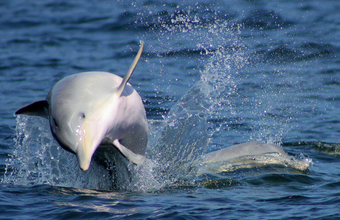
86	148
84	158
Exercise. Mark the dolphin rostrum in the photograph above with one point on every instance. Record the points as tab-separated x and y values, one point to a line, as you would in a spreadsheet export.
92	109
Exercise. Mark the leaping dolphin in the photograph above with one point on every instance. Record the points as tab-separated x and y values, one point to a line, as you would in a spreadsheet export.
92	109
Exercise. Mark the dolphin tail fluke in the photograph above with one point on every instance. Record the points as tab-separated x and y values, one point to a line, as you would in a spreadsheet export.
133	157
131	69
39	108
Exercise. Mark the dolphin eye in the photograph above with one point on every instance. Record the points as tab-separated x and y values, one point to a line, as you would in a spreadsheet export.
82	115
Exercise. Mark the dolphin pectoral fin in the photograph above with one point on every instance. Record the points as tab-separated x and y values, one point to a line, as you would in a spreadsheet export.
131	69
39	108
134	158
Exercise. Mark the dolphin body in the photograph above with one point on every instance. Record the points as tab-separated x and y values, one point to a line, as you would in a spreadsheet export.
90	110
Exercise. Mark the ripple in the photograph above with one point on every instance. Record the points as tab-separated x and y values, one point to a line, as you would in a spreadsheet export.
266	20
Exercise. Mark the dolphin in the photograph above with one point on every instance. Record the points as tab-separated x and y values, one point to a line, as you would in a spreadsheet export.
239	150
250	155
95	109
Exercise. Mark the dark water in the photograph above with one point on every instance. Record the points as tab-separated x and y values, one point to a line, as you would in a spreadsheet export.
238	70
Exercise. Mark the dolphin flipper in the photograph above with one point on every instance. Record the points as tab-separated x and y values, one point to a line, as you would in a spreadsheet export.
39	108
134	158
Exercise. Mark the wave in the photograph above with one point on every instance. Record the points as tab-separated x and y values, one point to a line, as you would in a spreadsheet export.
265	20
303	52
332	149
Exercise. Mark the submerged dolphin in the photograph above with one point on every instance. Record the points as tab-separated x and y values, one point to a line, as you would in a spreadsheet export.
239	150
250	155
92	109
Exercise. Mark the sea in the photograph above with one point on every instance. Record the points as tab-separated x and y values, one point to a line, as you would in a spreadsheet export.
213	73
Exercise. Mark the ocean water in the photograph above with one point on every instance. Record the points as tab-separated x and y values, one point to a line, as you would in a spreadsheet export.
212	74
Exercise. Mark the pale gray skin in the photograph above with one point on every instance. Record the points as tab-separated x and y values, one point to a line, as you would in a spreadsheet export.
90	109
239	150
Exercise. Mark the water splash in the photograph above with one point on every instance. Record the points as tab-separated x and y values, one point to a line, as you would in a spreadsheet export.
38	159
229	75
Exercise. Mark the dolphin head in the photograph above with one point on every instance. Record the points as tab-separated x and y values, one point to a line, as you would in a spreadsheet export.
81	112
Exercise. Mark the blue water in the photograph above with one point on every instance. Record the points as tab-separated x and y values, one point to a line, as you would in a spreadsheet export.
212	74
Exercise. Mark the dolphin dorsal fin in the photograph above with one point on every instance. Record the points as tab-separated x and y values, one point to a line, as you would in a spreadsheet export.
130	71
